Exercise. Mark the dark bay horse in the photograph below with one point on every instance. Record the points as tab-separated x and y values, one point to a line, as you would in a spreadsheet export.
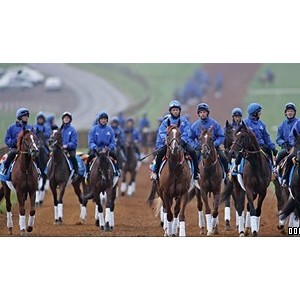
41	160
211	175
24	178
293	205
174	182
59	175
102	180
130	166
256	176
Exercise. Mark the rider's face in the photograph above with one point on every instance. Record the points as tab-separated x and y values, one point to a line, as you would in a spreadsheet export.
25	118
175	112
103	121
203	114
290	113
66	120
237	119
41	121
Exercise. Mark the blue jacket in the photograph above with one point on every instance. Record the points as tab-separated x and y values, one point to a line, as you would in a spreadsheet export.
119	136
102	136
284	130
144	122
42	128
69	136
291	135
185	129
11	136
135	134
260	131
196	132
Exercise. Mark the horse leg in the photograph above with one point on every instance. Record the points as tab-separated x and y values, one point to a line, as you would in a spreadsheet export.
240	203
215	212
168	205
183	202
207	212
60	202
108	209
100	211
176	213
248	221
123	184
227	214
280	195
200	211
131	188
55	202
112	207
22	216
259	206
77	190
6	192
42	191
32	212
254	227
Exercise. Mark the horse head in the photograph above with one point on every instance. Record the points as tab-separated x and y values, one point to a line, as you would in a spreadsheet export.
104	166
173	138
229	135
27	143
206	142
41	139
55	139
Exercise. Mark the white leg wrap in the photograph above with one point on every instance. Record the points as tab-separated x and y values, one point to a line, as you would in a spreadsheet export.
248	220
96	212
182	228
107	215
162	214
60	210
175	226
217	221
101	219
40	183
22	222
129	190
117	192
201	219
227	213
165	221
258	223
112	219
241	223
31	221
208	222
133	187
9	220
123	187
291	220
254	224
295	222
236	219
82	212
55	212
47	185
213	222
42	195
37	197
169	228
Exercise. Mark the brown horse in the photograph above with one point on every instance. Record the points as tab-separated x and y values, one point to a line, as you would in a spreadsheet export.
102	180
211	175
256	176
59	175
24	178
174	182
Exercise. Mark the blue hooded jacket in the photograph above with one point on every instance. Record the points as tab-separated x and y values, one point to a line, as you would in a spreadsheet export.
144	122
11	136
135	134
185	129
291	135
260	131
101	136
284	130
69	136
206	124
42	128
119	136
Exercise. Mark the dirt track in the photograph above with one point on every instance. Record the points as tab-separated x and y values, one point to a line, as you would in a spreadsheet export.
132	215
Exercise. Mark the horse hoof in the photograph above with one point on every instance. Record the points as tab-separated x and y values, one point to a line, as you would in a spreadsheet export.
242	234
216	230
280	227
254	233
227	225
97	223
80	222
123	194
58	222
111	228
162	224
23	232
29	228
201	231
10	231
210	232
101	227
107	227
247	231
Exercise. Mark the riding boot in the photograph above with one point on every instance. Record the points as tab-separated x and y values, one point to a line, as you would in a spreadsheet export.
225	164
195	162
286	175
75	167
10	157
160	155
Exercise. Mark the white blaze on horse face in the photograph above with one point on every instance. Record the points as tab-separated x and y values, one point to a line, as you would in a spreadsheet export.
174	138
238	133
33	143
205	136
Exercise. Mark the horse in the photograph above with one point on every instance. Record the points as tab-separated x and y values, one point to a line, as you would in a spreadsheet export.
131	165
42	160
174	182
59	175
24	178
102	180
256	176
211	175
293	205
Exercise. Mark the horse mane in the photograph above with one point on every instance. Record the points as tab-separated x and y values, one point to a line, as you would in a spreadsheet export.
169	128
20	138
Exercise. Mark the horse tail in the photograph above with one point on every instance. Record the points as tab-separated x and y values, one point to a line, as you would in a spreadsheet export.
152	194
289	208
157	205
192	194
227	192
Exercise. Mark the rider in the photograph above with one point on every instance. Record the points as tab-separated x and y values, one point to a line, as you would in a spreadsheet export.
284	130
12	133
50	123
237	115
144	123
41	126
185	128
129	129
119	136
260	131
206	122
70	140
102	136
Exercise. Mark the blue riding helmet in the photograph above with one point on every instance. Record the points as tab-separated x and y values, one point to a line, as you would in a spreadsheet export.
254	108
237	112
174	104
41	115
130	119
67	113
203	106
290	105
22	112
102	115
114	119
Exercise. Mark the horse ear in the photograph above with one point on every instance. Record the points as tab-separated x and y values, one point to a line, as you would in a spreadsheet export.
168	122
178	124
227	123
244	125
